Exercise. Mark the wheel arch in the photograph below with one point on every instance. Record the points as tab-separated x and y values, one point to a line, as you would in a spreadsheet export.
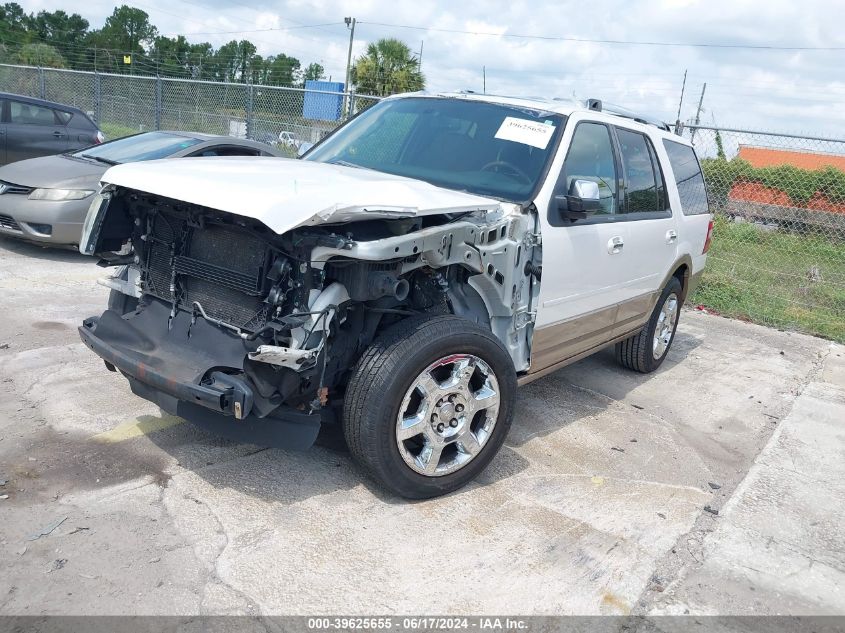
682	271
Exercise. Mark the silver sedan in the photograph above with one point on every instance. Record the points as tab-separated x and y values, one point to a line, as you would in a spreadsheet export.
45	199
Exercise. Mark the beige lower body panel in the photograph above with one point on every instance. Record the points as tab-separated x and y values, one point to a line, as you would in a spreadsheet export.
524	379
557	345
552	343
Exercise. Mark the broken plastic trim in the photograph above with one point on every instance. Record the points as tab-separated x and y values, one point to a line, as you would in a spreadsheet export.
297	359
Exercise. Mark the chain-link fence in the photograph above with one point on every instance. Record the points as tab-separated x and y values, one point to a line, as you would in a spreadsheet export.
778	253
127	104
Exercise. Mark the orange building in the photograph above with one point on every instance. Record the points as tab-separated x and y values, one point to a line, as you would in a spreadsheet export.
767	157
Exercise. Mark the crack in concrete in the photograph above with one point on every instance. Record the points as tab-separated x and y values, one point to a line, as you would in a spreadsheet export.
253	607
678	568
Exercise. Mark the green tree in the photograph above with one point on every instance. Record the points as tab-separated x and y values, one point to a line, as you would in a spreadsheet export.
14	24
720	147
66	33
314	72
234	60
172	56
246	60
224	65
126	31
284	70
200	60
38	54
386	68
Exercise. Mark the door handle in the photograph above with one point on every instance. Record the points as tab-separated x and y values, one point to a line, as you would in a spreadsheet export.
615	245
58	134
671	236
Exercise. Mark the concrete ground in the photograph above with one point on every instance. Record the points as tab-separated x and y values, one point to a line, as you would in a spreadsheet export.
712	486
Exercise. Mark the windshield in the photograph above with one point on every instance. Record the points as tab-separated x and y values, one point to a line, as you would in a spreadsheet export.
147	146
484	148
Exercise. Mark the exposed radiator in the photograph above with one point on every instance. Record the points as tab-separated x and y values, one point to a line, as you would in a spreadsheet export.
220	267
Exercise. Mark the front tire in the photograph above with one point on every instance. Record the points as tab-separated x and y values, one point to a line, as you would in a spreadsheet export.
645	351
429	404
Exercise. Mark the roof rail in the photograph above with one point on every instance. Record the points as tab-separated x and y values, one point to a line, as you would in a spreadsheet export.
598	106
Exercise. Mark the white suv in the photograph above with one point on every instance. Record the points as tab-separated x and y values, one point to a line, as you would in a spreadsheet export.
402	278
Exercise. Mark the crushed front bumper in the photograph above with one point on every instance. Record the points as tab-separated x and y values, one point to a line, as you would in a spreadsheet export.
193	371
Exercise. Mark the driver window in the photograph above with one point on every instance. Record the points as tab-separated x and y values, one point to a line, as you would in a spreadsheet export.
591	158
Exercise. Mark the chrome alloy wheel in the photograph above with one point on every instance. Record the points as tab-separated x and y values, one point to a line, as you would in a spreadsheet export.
665	326
447	415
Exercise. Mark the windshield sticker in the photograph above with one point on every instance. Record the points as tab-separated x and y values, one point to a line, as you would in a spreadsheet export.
526	132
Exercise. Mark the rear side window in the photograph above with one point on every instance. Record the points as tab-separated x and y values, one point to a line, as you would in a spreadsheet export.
644	191
63	117
29	114
688	178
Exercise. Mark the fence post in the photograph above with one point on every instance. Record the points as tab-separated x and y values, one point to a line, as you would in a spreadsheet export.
249	112
98	99
158	102
42	85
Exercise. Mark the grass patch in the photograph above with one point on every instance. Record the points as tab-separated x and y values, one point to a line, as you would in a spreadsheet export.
116	130
776	278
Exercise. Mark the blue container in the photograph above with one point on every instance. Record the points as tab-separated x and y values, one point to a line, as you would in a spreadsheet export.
322	106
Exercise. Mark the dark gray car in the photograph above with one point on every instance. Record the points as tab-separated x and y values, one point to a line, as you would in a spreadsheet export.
32	127
46	199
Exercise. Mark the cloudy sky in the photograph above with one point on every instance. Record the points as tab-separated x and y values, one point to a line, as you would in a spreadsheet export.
788	90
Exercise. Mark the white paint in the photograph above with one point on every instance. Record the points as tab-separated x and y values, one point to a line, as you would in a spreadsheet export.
285	193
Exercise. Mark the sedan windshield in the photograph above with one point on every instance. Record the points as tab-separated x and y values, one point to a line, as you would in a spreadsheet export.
147	146
484	148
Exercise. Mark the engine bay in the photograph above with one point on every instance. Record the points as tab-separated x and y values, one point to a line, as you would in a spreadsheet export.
276	322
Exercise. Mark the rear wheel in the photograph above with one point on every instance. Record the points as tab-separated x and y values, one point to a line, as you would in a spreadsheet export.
429	405
646	351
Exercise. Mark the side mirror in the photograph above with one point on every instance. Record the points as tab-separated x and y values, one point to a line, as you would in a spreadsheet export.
303	147
583	200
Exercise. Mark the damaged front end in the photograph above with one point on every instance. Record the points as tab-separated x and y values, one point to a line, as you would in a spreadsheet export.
251	334
220	304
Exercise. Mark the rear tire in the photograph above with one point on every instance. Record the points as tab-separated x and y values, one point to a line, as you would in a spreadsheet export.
429	404
645	351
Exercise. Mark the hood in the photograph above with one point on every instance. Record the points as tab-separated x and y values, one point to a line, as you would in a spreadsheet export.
54	172
285	193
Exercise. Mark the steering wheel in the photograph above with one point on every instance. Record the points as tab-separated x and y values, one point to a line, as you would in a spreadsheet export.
509	167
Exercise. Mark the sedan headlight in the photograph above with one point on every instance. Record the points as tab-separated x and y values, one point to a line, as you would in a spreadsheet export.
57	195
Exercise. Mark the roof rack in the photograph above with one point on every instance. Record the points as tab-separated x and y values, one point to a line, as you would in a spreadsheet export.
597	106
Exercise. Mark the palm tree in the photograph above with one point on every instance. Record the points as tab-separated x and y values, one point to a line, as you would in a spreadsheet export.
387	67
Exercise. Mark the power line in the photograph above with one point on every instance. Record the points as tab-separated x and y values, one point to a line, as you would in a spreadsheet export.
71	51
806	90
608	41
281	28
246	21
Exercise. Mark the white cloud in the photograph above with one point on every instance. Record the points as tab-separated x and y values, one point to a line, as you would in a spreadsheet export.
787	90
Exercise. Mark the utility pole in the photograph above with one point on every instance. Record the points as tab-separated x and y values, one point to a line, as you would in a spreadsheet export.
680	104
484	79
350	24
419	65
698	113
